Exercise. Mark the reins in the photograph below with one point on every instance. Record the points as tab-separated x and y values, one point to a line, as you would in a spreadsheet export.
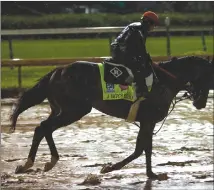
163	70
185	96
174	102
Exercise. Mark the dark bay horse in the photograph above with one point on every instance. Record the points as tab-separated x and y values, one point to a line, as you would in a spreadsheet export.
74	89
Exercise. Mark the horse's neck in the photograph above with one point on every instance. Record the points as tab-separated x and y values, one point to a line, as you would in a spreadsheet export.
169	78
185	68
179	71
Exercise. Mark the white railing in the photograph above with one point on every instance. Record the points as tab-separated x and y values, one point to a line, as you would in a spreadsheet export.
90	30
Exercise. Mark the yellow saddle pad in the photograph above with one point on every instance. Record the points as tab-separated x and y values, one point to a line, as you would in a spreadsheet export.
116	91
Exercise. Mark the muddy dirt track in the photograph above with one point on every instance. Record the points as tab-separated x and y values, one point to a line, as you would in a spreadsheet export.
183	149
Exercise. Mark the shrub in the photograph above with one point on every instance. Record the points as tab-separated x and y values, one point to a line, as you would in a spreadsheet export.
98	20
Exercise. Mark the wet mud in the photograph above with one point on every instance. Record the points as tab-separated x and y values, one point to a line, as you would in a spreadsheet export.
183	149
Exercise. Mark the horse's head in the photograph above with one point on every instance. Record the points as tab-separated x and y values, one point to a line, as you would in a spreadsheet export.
200	81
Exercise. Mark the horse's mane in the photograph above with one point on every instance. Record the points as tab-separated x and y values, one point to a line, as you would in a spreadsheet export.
185	59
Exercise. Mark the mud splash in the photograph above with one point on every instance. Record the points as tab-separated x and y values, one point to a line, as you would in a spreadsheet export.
183	149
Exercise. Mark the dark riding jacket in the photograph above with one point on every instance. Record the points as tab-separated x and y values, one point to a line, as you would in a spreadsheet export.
129	48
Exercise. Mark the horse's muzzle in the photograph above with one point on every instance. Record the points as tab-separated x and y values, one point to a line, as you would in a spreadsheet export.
198	107
200	103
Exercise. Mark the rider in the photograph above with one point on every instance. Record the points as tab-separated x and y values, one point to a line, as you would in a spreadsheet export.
129	49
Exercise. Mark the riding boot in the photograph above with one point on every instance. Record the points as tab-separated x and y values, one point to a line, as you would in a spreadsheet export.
141	87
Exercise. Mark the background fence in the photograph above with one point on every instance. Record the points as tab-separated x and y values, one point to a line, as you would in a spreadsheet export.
59	62
109	32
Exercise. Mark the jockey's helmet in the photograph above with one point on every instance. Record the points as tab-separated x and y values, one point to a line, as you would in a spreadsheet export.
151	17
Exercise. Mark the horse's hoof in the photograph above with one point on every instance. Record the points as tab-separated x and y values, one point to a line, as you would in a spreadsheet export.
106	168
162	177
48	166
22	169
19	169
152	176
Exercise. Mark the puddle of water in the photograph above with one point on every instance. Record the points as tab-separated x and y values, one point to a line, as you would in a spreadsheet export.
183	149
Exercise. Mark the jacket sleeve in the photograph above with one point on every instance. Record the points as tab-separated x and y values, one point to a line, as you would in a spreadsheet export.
136	44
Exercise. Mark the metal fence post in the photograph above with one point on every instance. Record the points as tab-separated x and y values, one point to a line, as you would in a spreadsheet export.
10	48
203	41
167	23
110	40
19	77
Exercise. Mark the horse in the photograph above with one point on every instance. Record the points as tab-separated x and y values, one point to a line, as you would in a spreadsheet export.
73	90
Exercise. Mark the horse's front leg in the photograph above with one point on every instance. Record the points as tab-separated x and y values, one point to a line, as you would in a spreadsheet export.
144	142
148	152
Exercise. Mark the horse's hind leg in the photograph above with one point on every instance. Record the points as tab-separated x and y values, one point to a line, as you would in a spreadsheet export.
47	127
37	137
67	116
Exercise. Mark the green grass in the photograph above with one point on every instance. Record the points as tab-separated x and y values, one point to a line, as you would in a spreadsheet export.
29	49
30	75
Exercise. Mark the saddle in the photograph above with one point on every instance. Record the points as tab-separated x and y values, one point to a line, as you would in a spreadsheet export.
117	73
122	75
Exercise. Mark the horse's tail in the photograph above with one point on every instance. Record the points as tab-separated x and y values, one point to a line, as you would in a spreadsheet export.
30	98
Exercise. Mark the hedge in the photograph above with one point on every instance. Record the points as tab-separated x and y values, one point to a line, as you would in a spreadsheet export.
101	19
